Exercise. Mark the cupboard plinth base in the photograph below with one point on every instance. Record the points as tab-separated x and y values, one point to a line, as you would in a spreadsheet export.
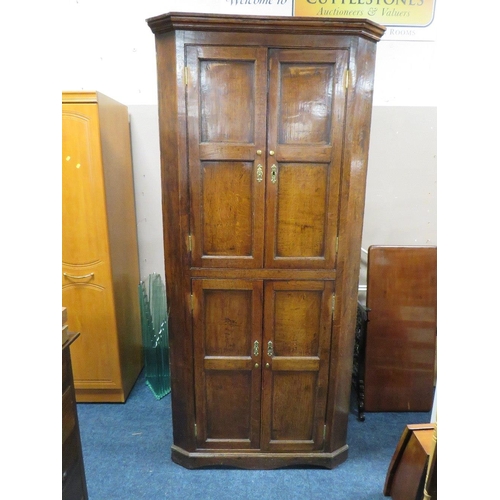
100	396
256	460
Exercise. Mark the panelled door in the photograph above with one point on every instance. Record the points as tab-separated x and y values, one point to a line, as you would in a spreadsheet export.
305	133
227	323
226	100
261	388
253	163
296	354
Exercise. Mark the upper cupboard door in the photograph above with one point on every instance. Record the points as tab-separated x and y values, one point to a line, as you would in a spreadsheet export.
307	99
226	113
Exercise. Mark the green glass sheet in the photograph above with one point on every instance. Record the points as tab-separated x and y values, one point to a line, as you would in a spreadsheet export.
154	323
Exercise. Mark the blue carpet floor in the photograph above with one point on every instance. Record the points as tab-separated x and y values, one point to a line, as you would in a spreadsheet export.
126	452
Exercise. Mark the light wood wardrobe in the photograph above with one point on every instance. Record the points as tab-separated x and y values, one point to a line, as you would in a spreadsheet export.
100	268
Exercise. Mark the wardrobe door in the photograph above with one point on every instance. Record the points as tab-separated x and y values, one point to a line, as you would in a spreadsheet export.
226	114
86	282
297	338
84	223
227	323
307	98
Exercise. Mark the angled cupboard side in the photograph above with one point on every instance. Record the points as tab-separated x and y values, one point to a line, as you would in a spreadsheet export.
100	268
264	132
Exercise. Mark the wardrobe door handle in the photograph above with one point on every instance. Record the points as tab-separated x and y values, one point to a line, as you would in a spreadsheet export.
78	277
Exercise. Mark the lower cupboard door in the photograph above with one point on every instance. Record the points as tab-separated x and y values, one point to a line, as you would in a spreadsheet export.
227	322
296	355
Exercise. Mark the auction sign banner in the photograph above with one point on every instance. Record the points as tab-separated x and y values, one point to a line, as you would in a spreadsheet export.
415	13
255	7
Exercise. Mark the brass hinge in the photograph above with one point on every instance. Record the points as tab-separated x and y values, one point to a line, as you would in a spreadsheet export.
324	433
337	244
333	305
186	75
195	431
192	302
190	243
347	75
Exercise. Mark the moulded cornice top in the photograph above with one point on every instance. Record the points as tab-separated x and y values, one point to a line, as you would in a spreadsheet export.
80	96
175	21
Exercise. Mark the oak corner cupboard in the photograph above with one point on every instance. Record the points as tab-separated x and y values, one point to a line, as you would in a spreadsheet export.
264	132
100	268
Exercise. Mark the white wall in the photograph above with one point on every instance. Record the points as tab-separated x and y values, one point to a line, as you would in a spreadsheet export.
109	47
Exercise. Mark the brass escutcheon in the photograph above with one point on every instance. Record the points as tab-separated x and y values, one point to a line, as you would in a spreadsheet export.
260	173
256	348
270	350
274	174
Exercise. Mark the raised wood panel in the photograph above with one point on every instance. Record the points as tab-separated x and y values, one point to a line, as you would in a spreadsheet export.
297	321
302	210
297	333
305	107
223	83
228	406
227	322
90	307
226	103
293	410
83	216
228	209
